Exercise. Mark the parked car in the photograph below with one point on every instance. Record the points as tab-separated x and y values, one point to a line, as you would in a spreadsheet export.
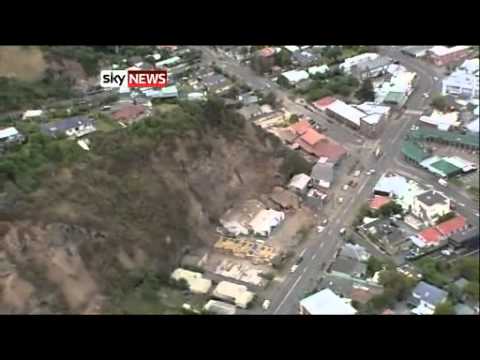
293	268
343	231
266	304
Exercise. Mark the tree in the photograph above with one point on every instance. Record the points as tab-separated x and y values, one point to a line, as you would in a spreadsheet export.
282	58
472	290
445	217
366	91
468	267
333	53
271	99
390	209
282	80
399	284
373	265
440	103
293	119
445	308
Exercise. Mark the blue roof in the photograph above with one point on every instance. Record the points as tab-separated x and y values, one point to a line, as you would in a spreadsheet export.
429	293
63	125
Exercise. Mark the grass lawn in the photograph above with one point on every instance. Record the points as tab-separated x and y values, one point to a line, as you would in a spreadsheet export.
106	125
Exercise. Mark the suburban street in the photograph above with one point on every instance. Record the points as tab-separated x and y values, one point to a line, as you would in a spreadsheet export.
319	250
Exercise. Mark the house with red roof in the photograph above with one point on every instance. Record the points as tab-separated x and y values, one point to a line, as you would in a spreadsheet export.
452	226
378	201
129	113
431	236
324	102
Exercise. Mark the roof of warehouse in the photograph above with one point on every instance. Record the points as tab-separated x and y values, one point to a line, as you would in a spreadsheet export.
453	225
413	151
346	111
467	139
445	167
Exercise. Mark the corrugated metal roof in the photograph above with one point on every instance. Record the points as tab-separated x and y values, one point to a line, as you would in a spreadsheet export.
414	152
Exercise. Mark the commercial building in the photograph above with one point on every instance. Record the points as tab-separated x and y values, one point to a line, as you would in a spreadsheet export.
442	55
403	190
345	113
326	302
234	293
197	284
441	121
430	205
440	167
165	93
247	249
413	152
464	141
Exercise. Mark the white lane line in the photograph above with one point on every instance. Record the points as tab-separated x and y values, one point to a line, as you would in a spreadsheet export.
361	187
290	291
303	252
314	256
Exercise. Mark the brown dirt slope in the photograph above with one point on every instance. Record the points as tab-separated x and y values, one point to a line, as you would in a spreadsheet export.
69	244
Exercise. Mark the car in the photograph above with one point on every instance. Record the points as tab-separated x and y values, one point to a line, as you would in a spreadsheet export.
266	304
324	221
345	187
372	171
426	95
357	173
343	231
293	268
340	200
435	78
299	260
446	252
320	229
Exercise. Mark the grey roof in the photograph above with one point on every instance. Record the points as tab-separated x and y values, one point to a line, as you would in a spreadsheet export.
343	285
378	62
466	236
355	252
349	266
432	197
462	309
429	293
215	80
322	171
414	50
63	125
461	283
305	57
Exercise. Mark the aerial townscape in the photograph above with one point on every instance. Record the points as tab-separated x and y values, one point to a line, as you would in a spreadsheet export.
260	180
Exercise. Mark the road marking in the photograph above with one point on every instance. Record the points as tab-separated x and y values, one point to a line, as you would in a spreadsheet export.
290	291
321	245
314	256
303	252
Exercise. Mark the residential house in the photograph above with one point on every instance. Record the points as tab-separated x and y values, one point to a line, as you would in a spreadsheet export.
9	136
322	69
305	58
441	121
425	298
415	51
349	267
315	198
267	57
463	309
357	290
323	103
217	84
326	302
295	76
430	205
461	84
234	293
402	189
322	174
371	68
442	55
197	284
299	183
165	93
219	308
355	252
347	65
378	201
129	113
75	127
31	114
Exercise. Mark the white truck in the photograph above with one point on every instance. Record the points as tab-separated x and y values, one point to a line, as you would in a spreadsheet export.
443	182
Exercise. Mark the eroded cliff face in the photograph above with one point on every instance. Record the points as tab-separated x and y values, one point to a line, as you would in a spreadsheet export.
63	248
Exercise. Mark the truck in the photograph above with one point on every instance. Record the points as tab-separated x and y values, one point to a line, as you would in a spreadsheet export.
443	182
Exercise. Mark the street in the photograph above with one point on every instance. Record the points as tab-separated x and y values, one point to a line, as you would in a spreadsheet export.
319	250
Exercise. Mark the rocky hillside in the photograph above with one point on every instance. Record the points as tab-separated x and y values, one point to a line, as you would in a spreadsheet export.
142	197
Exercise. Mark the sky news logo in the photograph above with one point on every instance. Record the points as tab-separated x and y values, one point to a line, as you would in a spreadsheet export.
133	78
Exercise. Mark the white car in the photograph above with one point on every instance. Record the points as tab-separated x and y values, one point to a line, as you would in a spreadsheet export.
266	304
345	187
320	229
342	231
294	268
340	200
426	95
357	173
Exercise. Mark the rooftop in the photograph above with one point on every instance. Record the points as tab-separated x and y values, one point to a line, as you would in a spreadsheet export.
451	137
8	132
322	171
445	167
346	111
325	302
349	266
443	50
431	236
299	181
451	226
220	307
324	102
413	151
354	251
295	76
432	197
429	293
318	69
378	201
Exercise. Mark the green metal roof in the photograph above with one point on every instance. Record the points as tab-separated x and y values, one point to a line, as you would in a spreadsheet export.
394	97
447	168
434	134
413	151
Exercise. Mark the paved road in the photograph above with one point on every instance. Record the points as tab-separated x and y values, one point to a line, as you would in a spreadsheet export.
320	249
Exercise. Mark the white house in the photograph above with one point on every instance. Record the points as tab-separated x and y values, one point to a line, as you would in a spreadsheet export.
461	83
356	60
326	302
29	114
234	293
265	221
295	76
430	205
195	280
